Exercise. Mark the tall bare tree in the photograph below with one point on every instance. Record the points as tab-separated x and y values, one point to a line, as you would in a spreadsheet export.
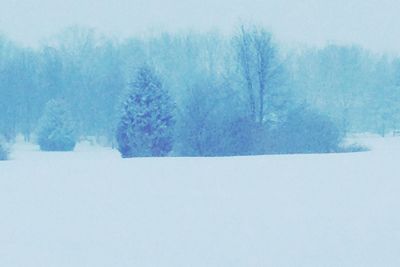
259	67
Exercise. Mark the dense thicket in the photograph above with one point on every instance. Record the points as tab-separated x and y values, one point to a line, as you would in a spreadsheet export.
234	95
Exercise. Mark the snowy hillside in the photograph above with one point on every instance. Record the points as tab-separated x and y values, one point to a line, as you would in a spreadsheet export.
92	208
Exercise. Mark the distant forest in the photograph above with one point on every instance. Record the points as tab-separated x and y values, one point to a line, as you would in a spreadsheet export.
230	93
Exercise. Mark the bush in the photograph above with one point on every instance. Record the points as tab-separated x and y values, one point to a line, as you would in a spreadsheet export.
306	131
4	149
146	125
56	129
351	148
245	137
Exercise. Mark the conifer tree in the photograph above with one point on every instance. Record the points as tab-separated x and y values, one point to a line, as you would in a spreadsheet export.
146	125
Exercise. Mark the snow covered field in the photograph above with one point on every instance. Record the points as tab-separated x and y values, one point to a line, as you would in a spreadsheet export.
91	208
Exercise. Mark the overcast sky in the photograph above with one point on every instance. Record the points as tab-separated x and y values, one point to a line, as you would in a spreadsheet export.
374	24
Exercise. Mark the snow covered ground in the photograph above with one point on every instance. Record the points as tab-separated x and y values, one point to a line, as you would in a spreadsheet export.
91	208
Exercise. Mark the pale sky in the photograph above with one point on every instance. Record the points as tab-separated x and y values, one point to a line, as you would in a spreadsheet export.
373	24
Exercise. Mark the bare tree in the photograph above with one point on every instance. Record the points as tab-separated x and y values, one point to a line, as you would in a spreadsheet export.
243	43
259	67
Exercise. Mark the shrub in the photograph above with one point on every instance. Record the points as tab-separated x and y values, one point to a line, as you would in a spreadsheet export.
245	137
351	148
56	129
306	131
4	149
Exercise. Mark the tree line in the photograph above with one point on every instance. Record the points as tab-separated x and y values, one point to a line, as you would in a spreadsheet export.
228	95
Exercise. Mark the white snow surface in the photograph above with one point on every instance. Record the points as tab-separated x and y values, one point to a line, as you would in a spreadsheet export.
91	208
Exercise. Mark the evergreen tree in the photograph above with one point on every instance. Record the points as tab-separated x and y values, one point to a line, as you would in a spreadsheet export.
146	125
56	129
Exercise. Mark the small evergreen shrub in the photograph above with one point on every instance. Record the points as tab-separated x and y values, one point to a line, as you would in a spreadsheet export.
4	149
56	129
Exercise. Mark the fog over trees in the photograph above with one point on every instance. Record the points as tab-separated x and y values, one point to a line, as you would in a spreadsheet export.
233	95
